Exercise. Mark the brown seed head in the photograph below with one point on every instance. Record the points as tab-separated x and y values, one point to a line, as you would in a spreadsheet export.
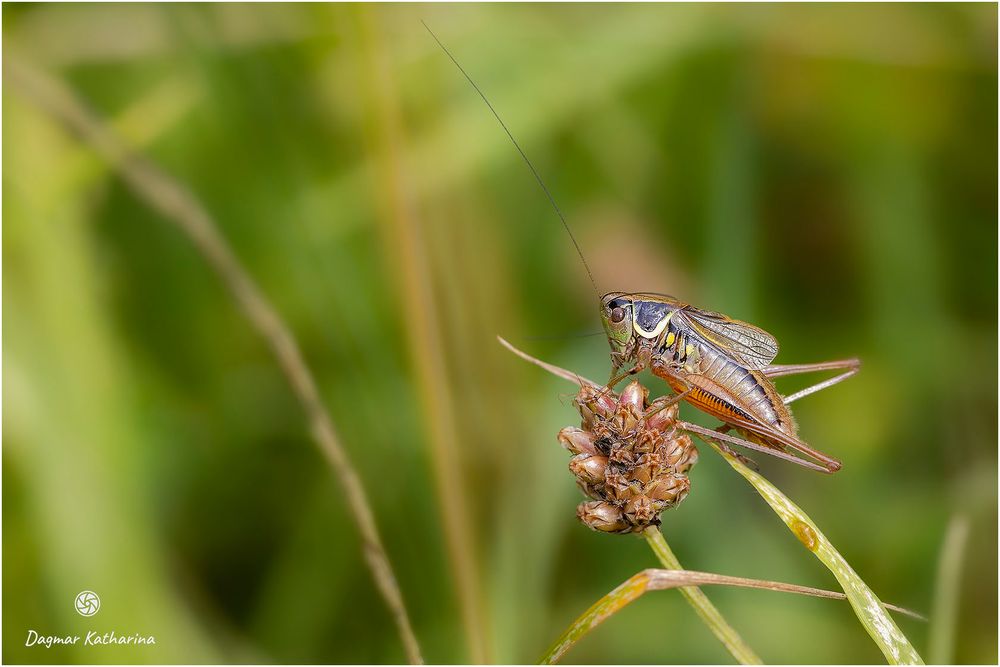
670	488
602	516
577	440
589	468
641	511
630	458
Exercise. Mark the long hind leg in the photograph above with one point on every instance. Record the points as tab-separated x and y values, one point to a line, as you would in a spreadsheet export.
852	366
720	435
778	370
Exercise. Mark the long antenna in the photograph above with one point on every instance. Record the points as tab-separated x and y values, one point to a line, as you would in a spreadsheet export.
538	178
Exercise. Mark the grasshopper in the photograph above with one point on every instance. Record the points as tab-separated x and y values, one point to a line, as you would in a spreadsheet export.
720	365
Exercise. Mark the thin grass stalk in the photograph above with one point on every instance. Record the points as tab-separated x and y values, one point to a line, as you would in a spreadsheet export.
702	606
944	616
661	580
178	206
406	247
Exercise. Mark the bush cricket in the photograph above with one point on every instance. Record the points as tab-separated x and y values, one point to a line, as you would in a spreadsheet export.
720	365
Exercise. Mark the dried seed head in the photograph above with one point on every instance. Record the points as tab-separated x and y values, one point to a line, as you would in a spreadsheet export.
595	404
669	489
577	440
663	418
641	511
683	455
635	395
589	468
595	491
602	516
620	488
630	458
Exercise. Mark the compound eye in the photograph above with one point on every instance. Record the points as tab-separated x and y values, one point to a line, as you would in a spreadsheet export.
617	315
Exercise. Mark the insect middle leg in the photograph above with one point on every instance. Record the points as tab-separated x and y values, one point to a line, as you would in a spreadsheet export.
746	460
665	402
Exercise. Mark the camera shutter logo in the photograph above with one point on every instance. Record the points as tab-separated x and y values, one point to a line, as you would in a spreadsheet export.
87	603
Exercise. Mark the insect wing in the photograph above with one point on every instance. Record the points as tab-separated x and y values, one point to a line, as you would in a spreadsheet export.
746	344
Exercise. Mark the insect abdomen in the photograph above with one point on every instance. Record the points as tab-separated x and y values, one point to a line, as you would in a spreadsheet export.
748	393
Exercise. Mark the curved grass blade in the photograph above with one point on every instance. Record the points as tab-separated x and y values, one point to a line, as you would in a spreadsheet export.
661	580
868	608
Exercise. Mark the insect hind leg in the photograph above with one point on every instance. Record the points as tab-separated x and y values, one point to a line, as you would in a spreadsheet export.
779	370
819	386
718	435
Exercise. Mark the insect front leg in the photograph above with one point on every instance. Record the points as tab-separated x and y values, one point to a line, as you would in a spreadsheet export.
642	359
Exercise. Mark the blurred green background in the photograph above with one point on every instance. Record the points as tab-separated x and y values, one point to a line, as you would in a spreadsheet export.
827	172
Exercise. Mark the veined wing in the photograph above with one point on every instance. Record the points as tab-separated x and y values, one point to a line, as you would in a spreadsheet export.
746	344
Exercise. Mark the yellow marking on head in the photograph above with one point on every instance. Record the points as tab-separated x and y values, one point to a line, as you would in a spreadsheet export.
660	326
670	338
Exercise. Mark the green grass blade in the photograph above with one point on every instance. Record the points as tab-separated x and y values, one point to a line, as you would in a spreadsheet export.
661	580
941	645
599	612
868	608
707	611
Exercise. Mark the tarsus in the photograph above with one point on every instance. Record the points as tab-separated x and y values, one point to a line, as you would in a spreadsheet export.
538	178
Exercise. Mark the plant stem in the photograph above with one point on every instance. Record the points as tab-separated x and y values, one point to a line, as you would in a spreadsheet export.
702	605
180	207
947	588
406	249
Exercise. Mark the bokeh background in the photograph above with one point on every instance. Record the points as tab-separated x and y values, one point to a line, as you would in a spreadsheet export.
827	172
